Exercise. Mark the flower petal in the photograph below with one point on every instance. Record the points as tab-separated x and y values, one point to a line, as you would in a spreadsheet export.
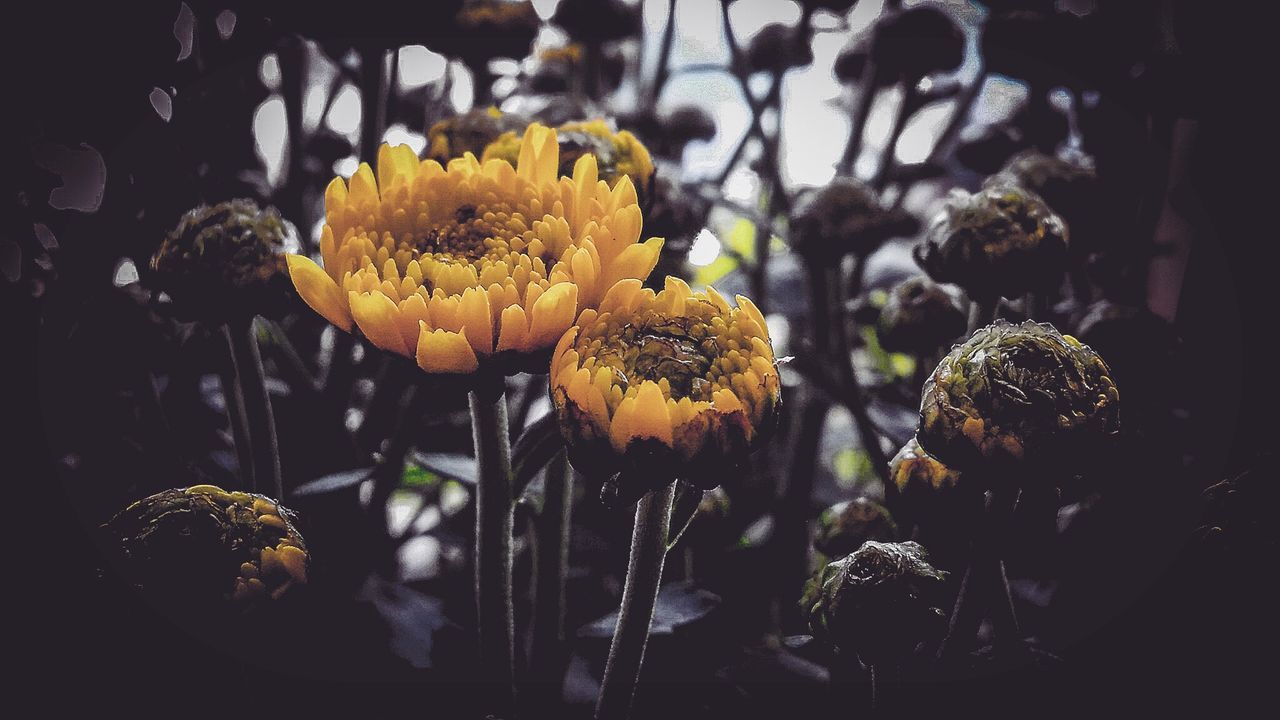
445	352
319	290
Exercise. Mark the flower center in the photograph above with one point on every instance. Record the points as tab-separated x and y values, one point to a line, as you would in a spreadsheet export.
471	234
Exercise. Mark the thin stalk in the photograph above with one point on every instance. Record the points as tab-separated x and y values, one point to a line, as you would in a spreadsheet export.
982	312
239	422
984	591
257	406
639	597
852	388
910	103
862	110
663	72
494	521
546	653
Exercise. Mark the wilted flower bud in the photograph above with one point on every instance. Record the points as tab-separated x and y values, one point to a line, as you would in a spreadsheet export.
919	317
1001	241
843	527
777	47
470	132
875	603
225	262
201	547
1018	393
905	45
665	385
1068	183
493	28
845	217
598	20
913	467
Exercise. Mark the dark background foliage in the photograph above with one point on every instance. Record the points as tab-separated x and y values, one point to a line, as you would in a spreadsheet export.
1196	630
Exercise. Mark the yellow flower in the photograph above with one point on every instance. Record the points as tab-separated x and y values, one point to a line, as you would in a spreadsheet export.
474	263
674	384
620	154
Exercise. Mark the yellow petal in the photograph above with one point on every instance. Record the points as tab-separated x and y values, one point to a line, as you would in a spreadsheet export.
319	290
477	321
379	319
364	189
513	330
553	314
636	261
753	312
651	418
441	351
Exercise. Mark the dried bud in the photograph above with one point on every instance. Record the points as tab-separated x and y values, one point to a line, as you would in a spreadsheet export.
225	262
843	527
875	603
1015	394
905	45
1001	241
1069	184
919	317
842	218
203	548
912	468
777	47
470	132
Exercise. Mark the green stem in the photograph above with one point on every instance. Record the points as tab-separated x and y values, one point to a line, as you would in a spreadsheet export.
494	520
257	407
546	653
639	597
234	400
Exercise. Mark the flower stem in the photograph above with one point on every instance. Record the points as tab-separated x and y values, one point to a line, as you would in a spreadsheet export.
252	384
546	653
982	312
494	521
639	597
234	399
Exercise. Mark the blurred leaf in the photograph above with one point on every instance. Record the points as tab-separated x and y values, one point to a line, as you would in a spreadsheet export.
712	272
415	476
450	465
852	466
741	238
535	447
757	533
412	618
680	604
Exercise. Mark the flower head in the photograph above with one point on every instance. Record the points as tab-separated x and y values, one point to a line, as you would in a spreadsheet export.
1015	394
618	154
875	603
843	527
919	317
203	547
912	467
904	45
1068	182
225	261
470	132
473	263
672	384
1001	241
845	217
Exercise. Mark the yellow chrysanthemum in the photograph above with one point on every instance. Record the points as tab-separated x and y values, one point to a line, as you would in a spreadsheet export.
476	262
675	384
620	154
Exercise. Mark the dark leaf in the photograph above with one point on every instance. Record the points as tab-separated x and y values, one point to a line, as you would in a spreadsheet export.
680	604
